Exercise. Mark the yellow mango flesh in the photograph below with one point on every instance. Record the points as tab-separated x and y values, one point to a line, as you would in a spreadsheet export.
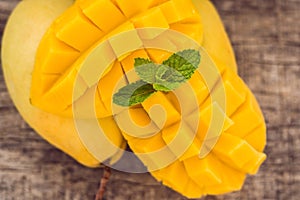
18	57
163	110
87	41
94	11
72	25
79	32
224	169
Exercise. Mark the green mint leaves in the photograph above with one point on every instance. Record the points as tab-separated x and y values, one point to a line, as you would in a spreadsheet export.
185	62
164	77
133	94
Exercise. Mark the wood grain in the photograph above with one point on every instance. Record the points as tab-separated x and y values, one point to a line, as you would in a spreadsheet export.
266	38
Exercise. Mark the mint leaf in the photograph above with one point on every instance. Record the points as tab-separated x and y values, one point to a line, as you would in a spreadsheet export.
141	61
146	71
133	94
163	78
167	79
185	62
162	88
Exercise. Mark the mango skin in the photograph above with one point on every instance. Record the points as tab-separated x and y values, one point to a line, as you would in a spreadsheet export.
20	41
215	39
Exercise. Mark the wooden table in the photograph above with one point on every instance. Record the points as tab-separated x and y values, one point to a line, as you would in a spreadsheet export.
266	39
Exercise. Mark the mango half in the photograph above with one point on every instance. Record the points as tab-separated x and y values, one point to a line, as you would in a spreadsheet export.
43	55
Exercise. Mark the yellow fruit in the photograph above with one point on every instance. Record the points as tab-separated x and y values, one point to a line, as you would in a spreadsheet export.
199	139
21	38
235	154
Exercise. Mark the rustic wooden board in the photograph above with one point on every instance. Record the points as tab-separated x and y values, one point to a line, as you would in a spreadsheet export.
266	39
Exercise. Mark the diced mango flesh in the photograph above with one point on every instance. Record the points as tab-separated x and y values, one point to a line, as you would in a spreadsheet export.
237	153
158	55
177	10
60	94
224	169
126	41
95	12
140	6
207	169
190	30
257	138
110	129
151	150
73	25
232	180
152	18
176	177
84	27
128	65
160	110
246	118
56	50
136	123
181	140
78	29
106	89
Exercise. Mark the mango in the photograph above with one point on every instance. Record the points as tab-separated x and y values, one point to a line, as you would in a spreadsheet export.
18	59
62	79
235	154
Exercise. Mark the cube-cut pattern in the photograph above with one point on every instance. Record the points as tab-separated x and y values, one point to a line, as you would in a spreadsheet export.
96	42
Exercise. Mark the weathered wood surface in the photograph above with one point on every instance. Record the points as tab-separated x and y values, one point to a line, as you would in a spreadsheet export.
266	39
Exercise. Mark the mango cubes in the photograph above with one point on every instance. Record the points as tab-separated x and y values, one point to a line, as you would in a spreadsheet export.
88	54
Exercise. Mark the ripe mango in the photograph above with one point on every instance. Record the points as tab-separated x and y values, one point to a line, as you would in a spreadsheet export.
21	38
62	79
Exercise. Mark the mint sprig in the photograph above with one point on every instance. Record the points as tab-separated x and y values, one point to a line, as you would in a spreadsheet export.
185	62
133	94
161	76
165	77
